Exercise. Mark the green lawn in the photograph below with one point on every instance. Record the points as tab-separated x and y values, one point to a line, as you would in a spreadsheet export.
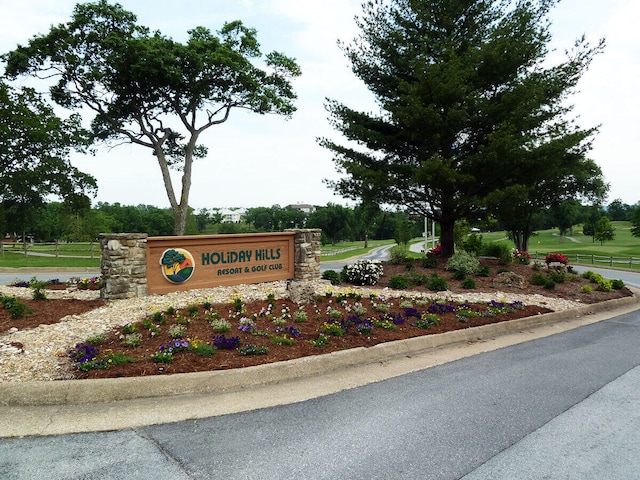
580	248
14	260
51	255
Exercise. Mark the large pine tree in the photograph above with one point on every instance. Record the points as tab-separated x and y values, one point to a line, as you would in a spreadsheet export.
471	111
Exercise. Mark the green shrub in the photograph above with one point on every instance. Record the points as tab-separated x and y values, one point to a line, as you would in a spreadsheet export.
538	279
586	289
463	262
37	289
469	283
16	308
399	282
483	271
556	276
419	279
430	261
550	284
332	276
398	255
437	284
343	274
499	251
459	275
617	284
604	285
473	244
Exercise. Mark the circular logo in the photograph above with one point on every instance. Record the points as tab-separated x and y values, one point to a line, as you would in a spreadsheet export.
177	265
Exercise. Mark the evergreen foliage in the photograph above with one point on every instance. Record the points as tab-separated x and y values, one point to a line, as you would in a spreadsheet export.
472	118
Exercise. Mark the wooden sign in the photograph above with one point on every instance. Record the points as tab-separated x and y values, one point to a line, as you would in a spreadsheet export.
205	261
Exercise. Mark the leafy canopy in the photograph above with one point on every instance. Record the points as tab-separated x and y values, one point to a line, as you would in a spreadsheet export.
35	148
150	90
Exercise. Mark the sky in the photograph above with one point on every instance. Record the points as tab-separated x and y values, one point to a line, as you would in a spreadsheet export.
264	160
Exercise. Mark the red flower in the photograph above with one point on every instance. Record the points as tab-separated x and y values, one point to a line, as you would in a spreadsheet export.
556	258
435	251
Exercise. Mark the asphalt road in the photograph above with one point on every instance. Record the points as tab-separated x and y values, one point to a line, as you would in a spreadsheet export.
380	253
564	406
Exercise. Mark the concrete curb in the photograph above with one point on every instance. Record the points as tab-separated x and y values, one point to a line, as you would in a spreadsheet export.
77	392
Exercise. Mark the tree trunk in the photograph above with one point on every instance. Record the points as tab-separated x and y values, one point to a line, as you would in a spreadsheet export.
520	240
180	220
180	210
181	217
447	238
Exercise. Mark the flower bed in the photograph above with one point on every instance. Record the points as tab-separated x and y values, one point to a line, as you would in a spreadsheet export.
273	330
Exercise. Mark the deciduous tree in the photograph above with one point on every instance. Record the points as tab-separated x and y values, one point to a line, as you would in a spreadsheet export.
35	148
335	221
604	230
152	91
635	221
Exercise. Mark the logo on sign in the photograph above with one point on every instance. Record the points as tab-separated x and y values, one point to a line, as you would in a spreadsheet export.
177	265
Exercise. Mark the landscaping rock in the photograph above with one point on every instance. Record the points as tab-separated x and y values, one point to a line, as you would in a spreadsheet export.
510	279
305	292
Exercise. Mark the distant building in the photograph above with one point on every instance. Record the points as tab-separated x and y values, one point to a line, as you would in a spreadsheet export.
232	215
303	207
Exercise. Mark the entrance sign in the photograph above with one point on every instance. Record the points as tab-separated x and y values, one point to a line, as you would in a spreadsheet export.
192	262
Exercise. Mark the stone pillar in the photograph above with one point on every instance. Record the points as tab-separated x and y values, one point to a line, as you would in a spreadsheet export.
307	253
123	265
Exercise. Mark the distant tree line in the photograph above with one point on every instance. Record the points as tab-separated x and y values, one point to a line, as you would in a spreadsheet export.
60	221
594	219
338	223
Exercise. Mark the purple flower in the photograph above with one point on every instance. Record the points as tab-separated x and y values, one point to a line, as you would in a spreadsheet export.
394	318
440	308
364	326
174	346
83	353
292	330
223	343
411	312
